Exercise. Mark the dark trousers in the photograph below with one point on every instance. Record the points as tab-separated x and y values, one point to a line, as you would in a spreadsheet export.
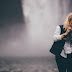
64	64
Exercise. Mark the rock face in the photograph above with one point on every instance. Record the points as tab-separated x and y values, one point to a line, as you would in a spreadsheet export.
10	8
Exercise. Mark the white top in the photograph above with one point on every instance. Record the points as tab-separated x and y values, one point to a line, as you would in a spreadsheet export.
67	49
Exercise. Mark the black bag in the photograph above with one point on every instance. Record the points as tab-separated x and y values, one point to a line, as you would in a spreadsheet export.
57	47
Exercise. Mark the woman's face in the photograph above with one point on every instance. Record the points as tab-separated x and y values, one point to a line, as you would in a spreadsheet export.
70	23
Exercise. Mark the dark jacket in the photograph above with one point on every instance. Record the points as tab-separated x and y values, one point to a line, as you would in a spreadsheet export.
58	45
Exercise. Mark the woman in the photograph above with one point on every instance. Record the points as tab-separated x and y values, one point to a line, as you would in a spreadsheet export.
63	34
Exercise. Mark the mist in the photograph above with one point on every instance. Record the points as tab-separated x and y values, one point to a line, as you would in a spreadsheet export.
28	29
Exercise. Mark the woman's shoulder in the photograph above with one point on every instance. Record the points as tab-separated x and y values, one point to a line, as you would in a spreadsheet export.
59	26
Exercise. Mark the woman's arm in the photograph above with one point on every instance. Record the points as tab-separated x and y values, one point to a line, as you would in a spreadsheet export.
57	35
66	33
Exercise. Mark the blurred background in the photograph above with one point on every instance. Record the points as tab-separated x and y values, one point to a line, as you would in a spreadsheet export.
26	33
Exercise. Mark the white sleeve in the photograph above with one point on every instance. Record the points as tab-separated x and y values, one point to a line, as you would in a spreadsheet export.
57	35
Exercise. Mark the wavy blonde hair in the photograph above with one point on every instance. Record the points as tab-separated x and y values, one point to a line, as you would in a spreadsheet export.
67	20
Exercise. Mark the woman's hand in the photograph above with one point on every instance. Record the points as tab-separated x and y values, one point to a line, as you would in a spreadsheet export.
66	33
68	30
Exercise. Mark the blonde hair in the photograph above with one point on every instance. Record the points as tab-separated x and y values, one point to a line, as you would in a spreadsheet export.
67	20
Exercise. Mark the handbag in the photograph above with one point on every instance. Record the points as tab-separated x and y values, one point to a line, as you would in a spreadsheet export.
57	47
